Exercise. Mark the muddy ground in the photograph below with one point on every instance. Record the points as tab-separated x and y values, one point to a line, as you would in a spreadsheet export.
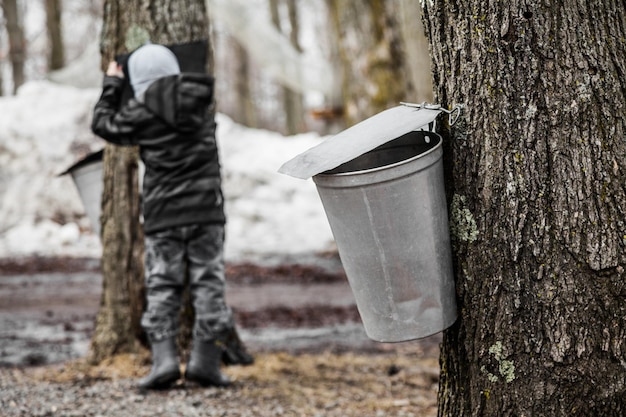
298	319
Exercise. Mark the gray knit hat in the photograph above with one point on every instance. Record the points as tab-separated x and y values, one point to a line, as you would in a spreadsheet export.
149	63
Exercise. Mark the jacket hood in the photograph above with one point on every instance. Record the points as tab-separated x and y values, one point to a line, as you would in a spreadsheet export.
149	63
182	101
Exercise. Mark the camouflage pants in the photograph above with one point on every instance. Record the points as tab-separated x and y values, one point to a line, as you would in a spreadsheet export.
171	255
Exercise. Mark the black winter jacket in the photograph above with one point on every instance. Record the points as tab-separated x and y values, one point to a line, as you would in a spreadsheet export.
175	132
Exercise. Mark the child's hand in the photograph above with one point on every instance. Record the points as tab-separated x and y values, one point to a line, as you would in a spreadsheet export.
115	70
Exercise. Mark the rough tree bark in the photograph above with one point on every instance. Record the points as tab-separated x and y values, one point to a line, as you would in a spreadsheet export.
127	25
536	173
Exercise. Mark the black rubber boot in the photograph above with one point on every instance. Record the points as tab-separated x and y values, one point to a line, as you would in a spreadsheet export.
165	366
204	364
234	352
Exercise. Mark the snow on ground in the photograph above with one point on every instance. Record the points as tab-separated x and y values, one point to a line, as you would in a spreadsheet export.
45	129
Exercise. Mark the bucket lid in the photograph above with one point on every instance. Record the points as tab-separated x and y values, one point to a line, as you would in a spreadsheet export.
359	139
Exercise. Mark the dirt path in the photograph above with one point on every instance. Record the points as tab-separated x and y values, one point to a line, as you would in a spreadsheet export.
48	307
300	322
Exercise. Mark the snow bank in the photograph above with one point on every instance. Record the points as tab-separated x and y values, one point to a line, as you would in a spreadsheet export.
45	129
42	131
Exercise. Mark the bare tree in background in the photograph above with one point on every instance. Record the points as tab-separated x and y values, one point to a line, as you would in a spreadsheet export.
536	176
1	57
371	57
17	40
292	101
246	113
415	45
56	50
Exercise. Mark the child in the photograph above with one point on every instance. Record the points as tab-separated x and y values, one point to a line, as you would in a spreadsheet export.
183	210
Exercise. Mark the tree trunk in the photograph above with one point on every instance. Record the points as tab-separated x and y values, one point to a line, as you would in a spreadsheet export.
246	111
17	41
128	25
536	173
117	328
1	68
56	57
416	49
292	101
373	62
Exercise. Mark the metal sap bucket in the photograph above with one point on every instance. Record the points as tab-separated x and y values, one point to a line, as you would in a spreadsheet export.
87	176
387	211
